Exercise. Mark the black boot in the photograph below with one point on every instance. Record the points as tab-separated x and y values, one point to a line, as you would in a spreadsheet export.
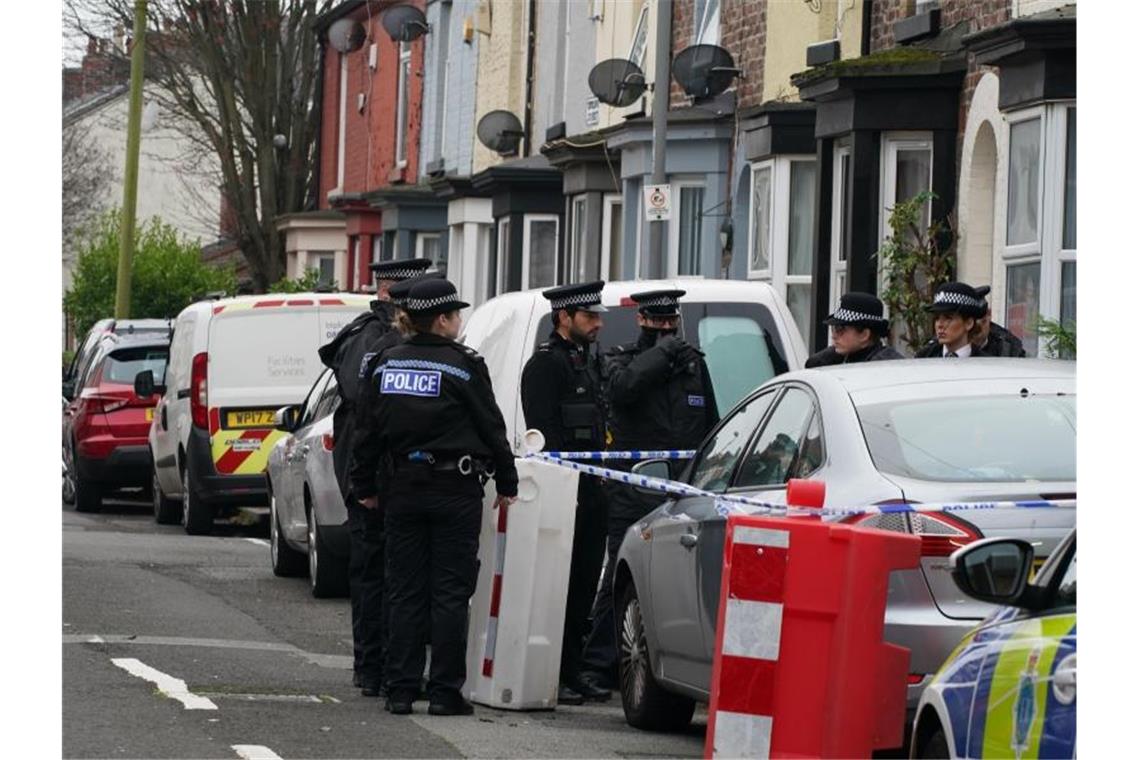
591	691
568	696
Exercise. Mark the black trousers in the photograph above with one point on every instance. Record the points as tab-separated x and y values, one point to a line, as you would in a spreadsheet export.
626	506
432	531
366	591
585	567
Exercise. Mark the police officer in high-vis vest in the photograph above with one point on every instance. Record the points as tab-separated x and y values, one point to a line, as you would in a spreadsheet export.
432	430
660	397
562	397
345	354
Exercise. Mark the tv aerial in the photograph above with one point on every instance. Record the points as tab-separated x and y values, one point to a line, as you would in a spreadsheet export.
500	131
704	71
404	23
617	82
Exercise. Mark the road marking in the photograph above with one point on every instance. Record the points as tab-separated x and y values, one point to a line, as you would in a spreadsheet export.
254	752
334	661
259	542
96	640
172	687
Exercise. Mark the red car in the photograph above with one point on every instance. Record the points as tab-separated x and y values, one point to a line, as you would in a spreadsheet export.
105	425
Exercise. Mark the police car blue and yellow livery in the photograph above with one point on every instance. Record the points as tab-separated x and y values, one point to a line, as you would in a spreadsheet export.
1009	688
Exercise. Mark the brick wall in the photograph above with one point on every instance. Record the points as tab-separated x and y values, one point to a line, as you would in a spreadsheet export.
682	38
884	14
102	68
743	25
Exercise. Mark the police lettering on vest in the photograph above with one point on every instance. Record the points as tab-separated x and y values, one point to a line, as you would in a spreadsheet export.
410	382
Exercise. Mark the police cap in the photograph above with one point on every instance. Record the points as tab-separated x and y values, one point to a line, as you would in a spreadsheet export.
586	296
433	296
958	297
658	303
398	293
399	270
859	310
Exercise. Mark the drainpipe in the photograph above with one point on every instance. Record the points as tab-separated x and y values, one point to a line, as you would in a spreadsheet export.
312	202
528	110
658	241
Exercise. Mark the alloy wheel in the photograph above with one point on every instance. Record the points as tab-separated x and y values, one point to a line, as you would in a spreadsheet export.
313	560
634	654
273	530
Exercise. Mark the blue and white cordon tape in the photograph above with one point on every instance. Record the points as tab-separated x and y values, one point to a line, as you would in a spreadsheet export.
598	456
740	504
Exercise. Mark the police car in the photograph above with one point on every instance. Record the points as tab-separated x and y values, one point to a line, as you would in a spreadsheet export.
1010	687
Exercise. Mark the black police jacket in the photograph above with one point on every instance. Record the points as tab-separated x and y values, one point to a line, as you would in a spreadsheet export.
346	355
562	396
933	350
828	357
660	395
429	394
1002	343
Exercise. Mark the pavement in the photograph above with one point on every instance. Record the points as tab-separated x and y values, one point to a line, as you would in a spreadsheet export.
179	646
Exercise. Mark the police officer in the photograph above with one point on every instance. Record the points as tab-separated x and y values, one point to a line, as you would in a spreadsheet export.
432	430
562	397
958	309
995	340
857	331
660	397
345	355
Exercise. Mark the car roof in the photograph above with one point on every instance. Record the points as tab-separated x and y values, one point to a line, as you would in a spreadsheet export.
114	341
883	374
126	326
699	289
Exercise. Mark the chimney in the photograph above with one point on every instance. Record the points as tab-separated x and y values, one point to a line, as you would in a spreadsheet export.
120	35
92	45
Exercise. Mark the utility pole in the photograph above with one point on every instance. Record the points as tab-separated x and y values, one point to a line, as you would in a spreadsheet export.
658	254
131	174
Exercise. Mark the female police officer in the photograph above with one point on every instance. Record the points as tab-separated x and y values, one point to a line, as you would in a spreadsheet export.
431	427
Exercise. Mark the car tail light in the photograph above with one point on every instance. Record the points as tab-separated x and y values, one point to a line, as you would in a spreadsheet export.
97	402
199	412
942	534
328	441
914	678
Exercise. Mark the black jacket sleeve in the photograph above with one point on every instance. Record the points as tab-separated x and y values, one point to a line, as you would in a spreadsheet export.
824	358
630	379
712	414
492	428
541	404
368	443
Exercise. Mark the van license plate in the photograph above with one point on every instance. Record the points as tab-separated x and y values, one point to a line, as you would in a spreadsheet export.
149	413
251	418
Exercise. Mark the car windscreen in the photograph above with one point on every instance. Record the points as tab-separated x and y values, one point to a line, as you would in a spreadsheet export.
991	438
123	364
741	343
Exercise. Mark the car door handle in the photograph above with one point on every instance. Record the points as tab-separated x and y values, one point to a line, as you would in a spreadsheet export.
688	540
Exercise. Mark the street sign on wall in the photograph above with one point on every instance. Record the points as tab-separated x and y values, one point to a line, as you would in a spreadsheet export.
658	203
592	115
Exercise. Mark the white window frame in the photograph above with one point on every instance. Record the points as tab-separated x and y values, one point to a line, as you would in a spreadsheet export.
839	264
1048	251
402	96
755	169
502	251
528	220
706	30
779	228
377	247
421	237
893	143
672	265
609	200
578	206
639	45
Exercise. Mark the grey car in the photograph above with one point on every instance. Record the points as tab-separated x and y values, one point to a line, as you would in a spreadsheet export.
914	430
307	515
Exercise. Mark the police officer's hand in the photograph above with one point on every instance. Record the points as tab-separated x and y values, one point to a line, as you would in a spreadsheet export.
503	501
687	355
670	344
370	503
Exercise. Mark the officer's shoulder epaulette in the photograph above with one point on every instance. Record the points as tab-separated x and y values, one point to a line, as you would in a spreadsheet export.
467	351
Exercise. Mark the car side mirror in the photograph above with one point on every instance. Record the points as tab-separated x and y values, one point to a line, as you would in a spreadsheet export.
994	570
69	389
145	386
651	468
285	418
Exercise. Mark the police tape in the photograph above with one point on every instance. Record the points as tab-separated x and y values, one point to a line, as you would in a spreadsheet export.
739	504
632	454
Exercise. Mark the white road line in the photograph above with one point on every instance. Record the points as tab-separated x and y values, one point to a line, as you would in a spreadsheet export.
254	752
259	542
96	640
175	688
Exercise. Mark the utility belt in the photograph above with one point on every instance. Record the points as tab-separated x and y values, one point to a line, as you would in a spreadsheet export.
463	464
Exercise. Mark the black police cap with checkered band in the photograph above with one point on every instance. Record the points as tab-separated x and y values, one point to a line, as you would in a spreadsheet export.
586	296
398	293
859	310
433	297
399	270
958	297
658	303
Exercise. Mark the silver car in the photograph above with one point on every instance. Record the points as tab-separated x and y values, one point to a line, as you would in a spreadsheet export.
914	430
307	515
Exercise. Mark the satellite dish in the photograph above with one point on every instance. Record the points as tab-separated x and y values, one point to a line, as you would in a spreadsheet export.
346	35
704	71
500	131
617	82
404	23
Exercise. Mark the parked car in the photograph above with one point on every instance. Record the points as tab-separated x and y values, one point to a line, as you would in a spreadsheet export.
307	515
745	329
105	424
874	433
233	363
86	351
1010	688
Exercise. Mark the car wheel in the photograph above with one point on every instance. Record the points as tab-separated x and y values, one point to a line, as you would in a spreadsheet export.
287	561
197	515
646	704
166	510
326	578
936	746
88	494
68	484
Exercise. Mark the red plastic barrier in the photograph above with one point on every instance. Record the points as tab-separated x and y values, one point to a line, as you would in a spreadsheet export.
800	668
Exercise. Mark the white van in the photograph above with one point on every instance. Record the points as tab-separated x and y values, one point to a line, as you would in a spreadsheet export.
233	363
745	329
